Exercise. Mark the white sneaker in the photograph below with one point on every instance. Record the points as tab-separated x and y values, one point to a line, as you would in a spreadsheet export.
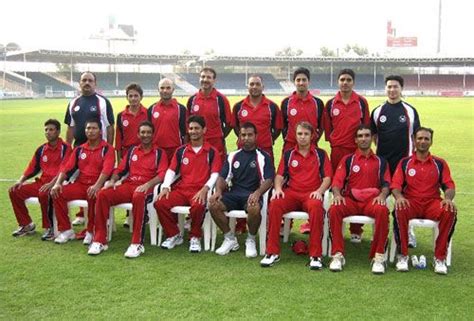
337	262
25	230
356	238
65	236
96	248
315	263
194	245
87	239
440	267
134	250
250	248
227	246
79	220
269	260
378	264
402	263
171	242
411	238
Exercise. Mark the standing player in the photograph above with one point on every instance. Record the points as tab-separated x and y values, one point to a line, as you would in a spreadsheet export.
95	161
301	106
47	160
307	173
87	106
128	121
215	108
246	175
360	186
197	164
342	115
143	166
169	119
416	187
260	111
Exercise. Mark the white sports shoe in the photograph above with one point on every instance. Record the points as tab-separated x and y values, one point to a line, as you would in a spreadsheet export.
411	238
96	248
440	267
134	250
337	262
227	246
194	245
250	248
87	238
79	220
378	264
269	260
402	263
65	236
171	242
315	263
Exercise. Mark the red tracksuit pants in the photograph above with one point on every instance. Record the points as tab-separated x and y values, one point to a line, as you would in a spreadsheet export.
379	212
124	193
74	191
18	197
295	201
425	209
169	221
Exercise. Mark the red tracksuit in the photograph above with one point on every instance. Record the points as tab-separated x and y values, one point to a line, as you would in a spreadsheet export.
140	166
47	160
126	133
194	170
169	120
266	117
420	183
295	109
215	109
304	176
356	171
91	162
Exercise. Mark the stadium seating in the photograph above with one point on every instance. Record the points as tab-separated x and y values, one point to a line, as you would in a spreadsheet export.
43	81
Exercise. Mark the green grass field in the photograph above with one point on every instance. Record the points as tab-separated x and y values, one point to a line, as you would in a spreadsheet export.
42	280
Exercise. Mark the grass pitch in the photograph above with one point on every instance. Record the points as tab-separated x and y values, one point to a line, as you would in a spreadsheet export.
42	280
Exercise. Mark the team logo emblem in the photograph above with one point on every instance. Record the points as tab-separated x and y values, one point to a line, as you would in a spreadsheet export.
336	112
253	164
412	172
45	158
125	123
77	108
244	113
402	118
156	114
185	161
134	158
93	108
293	112
236	164
356	168
196	108
294	163
383	119
83	155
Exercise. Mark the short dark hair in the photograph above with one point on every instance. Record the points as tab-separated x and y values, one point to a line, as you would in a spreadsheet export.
256	76
197	119
89	72
396	78
134	86
53	122
301	70
424	129
209	69
306	125
248	125
347	71
146	123
94	120
362	127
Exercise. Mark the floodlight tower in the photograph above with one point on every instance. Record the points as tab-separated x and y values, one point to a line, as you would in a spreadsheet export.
438	49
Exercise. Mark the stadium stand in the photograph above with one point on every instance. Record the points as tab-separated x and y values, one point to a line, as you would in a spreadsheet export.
237	81
45	81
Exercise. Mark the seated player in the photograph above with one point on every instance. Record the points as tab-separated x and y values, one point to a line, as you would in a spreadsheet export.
47	160
144	166
304	175
246	175
360	187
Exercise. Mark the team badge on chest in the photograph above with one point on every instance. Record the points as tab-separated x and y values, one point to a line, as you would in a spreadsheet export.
253	164
83	155
125	123
293	112
156	114
336	112
77	108
294	163
356	168
383	119
412	172
402	118
196	108
45	158
236	164
244	113
185	161
93	108
134	158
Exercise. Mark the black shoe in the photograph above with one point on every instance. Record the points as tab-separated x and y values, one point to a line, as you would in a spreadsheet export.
48	235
